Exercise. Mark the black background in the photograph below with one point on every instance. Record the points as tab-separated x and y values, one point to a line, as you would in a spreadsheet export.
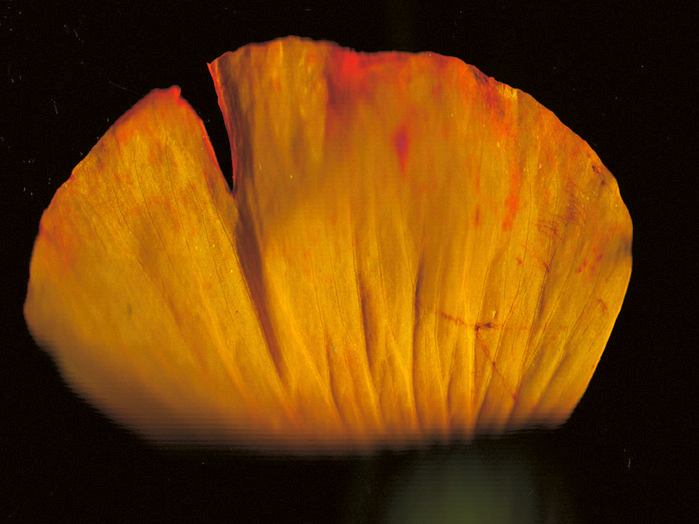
623	77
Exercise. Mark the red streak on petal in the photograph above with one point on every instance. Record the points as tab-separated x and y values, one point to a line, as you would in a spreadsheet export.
512	200
511	204
400	144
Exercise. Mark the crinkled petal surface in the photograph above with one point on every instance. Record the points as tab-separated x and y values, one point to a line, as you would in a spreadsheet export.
413	252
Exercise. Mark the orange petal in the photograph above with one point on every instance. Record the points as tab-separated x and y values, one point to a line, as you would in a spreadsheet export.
414	251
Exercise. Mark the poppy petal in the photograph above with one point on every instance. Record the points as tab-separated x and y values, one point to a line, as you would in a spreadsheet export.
413	251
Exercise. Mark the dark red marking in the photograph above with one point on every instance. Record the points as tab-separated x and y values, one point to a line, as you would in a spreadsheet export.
484	348
478	326
548	228
453	319
481	325
547	265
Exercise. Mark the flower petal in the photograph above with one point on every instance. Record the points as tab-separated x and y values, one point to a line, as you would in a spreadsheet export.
137	289
414	251
436	248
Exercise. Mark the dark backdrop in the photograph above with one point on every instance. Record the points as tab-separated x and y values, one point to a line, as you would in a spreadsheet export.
622	77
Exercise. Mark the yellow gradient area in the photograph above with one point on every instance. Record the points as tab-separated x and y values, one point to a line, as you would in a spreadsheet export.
413	252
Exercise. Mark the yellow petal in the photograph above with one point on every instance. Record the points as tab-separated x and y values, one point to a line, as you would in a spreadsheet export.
136	286
414	251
